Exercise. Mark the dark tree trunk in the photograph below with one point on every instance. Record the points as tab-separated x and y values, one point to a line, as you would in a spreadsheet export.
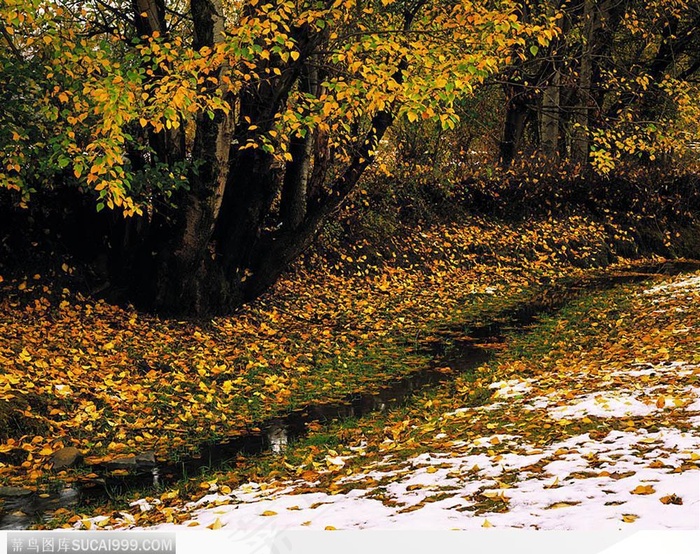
513	127
181	270
295	188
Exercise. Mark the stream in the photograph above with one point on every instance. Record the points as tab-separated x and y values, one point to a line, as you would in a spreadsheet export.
21	508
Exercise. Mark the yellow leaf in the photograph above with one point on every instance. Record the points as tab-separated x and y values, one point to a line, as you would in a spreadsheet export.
268	513
629	518
553	484
294	55
216	525
557	505
431	469
330	528
486	523
643	489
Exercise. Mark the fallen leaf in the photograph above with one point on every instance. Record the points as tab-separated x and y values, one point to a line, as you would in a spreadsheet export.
554	484
216	525
643	489
558	505
268	513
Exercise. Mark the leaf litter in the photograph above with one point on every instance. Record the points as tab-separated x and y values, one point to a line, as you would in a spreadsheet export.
112	381
599	430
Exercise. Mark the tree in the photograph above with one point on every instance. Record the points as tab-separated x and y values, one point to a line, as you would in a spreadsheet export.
617	84
226	132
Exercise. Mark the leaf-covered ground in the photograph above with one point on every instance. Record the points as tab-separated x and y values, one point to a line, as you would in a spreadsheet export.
592	423
110	380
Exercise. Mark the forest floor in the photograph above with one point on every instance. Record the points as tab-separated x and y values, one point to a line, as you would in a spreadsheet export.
593	424
594	407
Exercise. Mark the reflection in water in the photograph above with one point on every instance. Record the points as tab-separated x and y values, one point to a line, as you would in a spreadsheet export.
277	437
20	513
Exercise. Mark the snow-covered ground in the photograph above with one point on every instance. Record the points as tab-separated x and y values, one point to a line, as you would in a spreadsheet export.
636	478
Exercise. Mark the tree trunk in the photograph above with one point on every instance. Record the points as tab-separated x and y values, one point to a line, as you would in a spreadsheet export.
549	118
183	267
580	141
295	191
513	128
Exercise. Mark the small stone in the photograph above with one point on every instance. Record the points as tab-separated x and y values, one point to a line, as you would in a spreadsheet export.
66	457
123	462
14	492
146	460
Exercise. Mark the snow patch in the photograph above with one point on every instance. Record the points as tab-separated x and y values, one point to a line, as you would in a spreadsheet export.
603	404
